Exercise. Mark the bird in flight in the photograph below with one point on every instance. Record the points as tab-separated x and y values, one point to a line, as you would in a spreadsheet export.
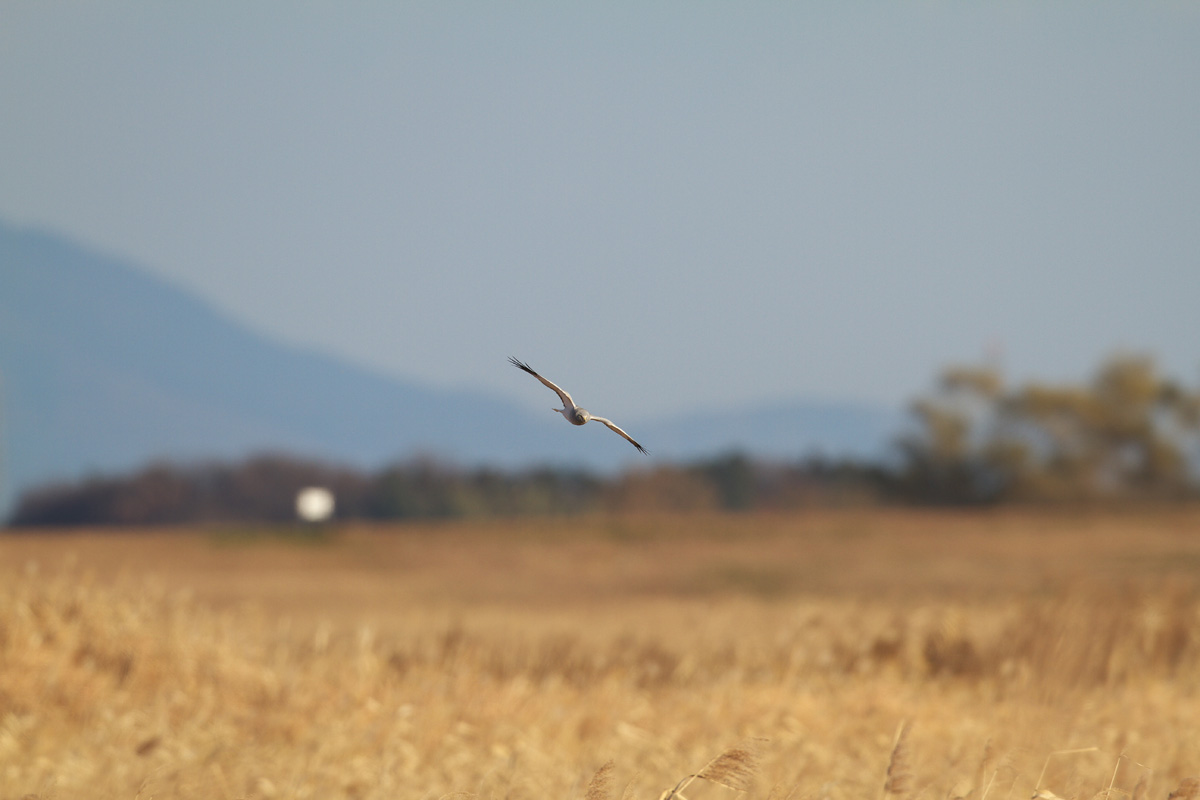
573	413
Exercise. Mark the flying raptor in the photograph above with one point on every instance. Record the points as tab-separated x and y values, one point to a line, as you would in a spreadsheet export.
573	413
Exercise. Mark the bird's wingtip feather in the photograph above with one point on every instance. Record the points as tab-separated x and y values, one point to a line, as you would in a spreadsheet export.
520	365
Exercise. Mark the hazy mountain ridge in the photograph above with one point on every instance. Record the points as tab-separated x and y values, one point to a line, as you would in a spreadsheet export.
103	367
798	429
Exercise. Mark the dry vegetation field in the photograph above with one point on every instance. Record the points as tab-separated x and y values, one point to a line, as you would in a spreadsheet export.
609	657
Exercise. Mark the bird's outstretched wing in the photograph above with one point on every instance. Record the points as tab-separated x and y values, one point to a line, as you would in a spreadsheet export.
566	398
613	426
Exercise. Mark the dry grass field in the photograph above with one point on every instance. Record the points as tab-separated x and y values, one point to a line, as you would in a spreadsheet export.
880	655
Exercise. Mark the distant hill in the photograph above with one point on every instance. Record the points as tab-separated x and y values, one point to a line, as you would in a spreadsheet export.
785	431
103	367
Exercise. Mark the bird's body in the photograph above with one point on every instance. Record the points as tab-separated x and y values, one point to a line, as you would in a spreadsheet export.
571	412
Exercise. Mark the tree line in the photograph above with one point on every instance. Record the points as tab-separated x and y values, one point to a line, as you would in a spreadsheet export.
264	488
1130	434
1127	435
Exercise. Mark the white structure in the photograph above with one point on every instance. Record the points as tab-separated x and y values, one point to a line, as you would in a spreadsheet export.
314	504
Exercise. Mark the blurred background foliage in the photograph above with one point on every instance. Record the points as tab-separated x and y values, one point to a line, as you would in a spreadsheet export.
1128	435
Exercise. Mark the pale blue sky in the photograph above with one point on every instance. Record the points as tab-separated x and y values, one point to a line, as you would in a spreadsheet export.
693	204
